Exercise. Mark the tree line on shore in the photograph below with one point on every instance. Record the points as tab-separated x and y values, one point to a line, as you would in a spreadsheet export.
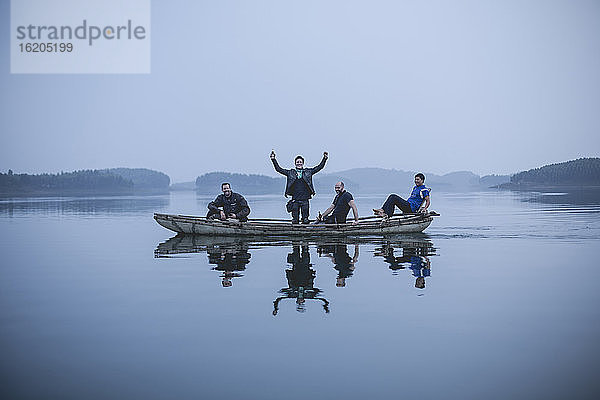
583	171
103	181
580	172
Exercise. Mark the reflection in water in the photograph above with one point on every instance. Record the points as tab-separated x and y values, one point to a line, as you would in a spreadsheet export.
231	255
342	261
301	279
82	205
184	244
414	255
229	259
565	196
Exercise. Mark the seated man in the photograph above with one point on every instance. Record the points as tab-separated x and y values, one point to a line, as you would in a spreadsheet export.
228	205
341	205
417	202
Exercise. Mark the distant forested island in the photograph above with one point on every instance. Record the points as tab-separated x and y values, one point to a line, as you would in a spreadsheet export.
583	172
358	180
247	184
580	173
114	181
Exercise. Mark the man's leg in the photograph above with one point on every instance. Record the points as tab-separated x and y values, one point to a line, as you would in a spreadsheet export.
390	203
340	219
295	212
213	214
395	200
305	211
405	206
330	219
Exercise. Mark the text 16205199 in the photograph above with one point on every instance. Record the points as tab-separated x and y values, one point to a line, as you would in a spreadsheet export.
46	47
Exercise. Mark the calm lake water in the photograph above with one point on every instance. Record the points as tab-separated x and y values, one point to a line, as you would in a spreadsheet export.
498	299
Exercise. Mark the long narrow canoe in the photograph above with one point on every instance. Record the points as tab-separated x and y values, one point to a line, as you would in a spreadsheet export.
268	227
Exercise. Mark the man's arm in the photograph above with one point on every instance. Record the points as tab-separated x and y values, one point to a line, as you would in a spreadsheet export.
321	164
244	208
276	165
355	258
328	211
216	203
352	205
424	206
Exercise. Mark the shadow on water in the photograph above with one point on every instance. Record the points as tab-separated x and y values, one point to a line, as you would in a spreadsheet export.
566	196
83	206
231	255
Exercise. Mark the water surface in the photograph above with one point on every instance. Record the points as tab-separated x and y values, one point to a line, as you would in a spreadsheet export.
498	299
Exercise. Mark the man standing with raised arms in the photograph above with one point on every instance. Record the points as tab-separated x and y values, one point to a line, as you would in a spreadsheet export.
299	185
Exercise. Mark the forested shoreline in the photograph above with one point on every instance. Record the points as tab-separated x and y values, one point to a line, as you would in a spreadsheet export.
580	173
116	181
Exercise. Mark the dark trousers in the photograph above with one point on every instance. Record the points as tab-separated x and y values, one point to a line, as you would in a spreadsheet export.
217	215
395	200
297	207
335	219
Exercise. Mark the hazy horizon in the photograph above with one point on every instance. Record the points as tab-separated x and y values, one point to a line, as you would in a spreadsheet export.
486	87
274	174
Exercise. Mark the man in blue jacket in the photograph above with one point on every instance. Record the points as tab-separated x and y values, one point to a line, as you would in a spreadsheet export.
417	202
299	185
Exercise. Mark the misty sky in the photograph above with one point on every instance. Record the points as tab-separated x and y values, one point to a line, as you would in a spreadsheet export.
435	86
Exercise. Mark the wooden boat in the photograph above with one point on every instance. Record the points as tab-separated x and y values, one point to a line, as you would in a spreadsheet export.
398	224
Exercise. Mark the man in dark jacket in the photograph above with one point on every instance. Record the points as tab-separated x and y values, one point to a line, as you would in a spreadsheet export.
299	185
228	205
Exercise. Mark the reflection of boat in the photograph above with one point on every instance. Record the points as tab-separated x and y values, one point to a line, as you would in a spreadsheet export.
268	227
230	255
182	244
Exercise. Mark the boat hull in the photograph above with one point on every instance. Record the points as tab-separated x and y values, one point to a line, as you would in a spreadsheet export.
202	226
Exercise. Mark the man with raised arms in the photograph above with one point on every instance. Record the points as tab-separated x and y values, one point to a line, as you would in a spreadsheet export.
299	185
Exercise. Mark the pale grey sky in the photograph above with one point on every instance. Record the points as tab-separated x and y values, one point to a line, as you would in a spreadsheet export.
437	86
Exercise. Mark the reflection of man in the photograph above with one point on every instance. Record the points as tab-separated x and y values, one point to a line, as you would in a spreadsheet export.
421	268
387	252
339	209
229	260
228	205
417	257
300	279
341	260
